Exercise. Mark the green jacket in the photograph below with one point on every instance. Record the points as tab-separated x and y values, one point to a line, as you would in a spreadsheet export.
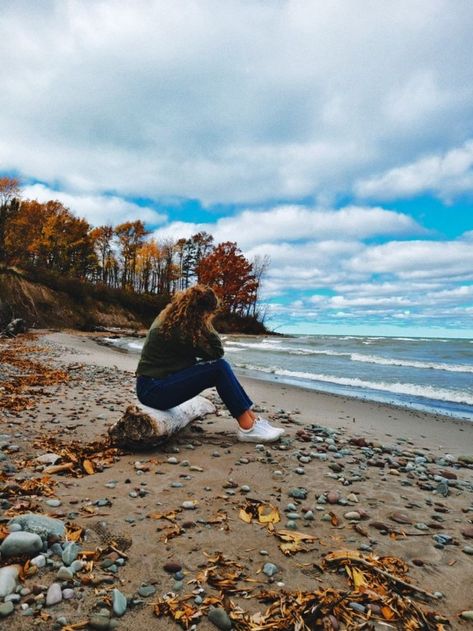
161	356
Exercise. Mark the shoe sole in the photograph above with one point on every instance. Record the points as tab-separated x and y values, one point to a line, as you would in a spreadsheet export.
257	439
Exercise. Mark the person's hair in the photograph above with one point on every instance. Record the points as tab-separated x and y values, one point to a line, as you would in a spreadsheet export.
189	311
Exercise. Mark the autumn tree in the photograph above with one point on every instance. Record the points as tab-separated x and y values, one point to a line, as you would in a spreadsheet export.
193	251
131	236
102	237
9	205
231	275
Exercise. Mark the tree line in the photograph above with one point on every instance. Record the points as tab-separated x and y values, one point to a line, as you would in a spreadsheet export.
49	236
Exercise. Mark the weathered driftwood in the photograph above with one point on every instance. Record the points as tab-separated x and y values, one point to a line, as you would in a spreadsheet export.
14	328
142	427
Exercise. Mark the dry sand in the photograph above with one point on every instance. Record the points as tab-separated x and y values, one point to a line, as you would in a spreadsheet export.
208	457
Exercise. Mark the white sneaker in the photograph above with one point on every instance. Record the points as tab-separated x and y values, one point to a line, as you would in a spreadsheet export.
265	421
261	432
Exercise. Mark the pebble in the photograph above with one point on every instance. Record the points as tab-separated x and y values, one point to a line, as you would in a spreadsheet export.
357	607
443	539
8	579
189	505
53	503
64	574
270	569
147	590
219	618
41	525
401	518
467	532
172	567
172	460
68	594
21	543
39	561
100	622
333	497
467	615
468	550
119	602
299	493
54	595
352	515
70	552
6	609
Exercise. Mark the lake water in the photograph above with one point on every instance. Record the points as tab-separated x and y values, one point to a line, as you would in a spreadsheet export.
434	375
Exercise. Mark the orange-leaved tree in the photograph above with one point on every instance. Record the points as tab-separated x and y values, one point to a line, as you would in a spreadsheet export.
231	275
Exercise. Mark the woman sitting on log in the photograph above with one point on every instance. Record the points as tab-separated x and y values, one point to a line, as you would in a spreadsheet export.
183	355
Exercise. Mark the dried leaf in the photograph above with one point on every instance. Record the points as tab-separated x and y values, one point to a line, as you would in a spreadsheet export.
88	467
267	513
387	612
244	516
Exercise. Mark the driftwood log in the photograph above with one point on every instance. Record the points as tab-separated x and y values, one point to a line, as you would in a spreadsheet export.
142	427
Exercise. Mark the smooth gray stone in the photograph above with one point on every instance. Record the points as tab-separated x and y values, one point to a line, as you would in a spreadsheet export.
70	552
99	622
39	561
53	503
270	569
68	593
19	543
6	609
54	595
219	618
8	579
119	603
40	524
146	590
299	493
64	574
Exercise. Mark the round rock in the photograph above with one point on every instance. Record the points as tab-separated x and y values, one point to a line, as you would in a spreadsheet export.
40	524
220	619
20	543
8	579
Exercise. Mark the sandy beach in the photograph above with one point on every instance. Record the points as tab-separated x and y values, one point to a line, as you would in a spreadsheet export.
375	480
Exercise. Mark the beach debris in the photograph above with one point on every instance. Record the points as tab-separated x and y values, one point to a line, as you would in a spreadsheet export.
263	512
78	459
293	541
14	327
142	427
376	596
23	378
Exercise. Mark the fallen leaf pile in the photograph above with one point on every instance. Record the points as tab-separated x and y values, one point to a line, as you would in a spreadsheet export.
41	487
75	458
378	593
22	378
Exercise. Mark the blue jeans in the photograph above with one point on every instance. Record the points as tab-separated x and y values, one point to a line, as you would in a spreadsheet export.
166	393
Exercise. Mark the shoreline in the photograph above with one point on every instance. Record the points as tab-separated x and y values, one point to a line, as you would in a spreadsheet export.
394	484
331	409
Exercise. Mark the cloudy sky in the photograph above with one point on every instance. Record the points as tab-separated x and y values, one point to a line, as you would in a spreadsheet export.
335	137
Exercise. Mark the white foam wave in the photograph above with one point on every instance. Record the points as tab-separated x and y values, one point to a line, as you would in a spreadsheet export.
437	394
410	363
